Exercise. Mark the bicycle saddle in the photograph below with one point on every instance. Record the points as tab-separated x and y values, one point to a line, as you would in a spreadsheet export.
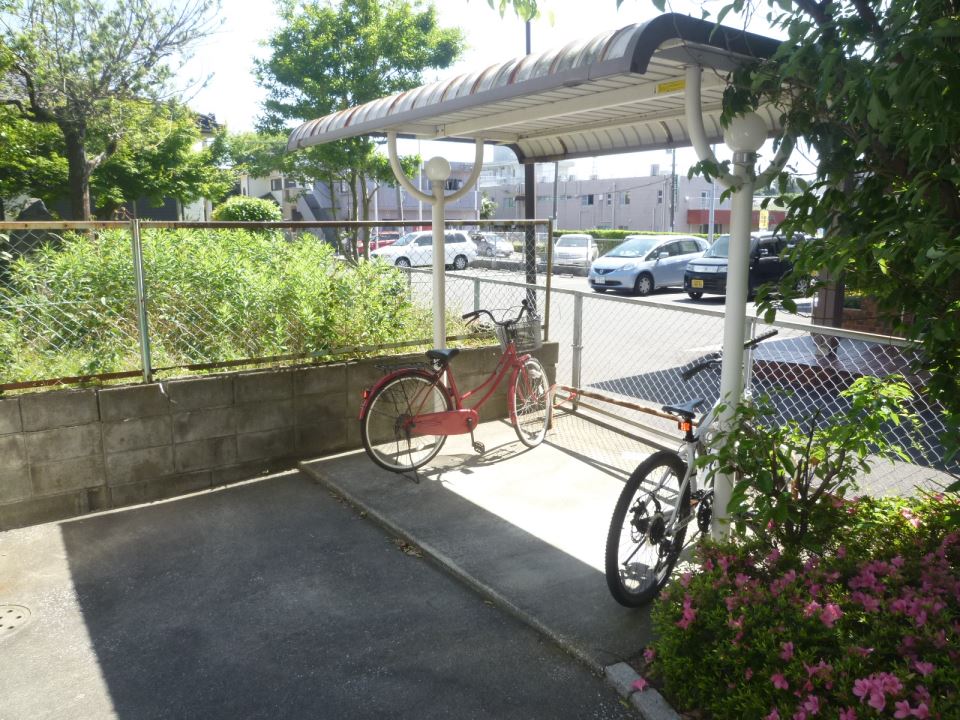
687	411
444	356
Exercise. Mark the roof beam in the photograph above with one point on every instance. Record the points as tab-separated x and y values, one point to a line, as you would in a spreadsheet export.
630	95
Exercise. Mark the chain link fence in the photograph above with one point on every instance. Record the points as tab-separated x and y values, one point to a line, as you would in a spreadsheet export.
103	301
95	302
624	360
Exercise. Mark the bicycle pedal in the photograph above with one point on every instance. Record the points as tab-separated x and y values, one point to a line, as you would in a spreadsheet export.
479	447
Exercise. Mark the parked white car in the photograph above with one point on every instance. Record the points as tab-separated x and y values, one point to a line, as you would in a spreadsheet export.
575	249
416	248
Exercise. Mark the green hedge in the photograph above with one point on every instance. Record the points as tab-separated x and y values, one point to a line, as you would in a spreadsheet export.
212	296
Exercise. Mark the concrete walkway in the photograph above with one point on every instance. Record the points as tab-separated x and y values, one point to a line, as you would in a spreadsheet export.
274	599
525	527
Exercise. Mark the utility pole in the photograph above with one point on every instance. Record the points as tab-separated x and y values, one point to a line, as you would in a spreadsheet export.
673	189
530	212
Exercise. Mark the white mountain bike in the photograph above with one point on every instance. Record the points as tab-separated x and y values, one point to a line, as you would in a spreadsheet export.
660	501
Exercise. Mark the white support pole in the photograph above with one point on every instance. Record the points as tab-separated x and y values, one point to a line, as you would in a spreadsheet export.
437	170
744	136
734	322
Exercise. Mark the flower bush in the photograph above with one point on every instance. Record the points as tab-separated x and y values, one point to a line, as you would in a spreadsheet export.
867	627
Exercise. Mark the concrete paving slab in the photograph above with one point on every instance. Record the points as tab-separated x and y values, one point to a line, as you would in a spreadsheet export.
270	599
526	527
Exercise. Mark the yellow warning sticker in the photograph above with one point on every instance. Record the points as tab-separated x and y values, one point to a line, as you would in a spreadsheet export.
671	86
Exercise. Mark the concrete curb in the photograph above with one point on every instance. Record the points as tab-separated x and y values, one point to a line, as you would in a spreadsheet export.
649	703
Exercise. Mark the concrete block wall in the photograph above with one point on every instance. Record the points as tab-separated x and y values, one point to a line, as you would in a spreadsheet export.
70	452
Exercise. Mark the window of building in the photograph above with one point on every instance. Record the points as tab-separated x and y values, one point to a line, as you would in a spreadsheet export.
659	197
586	199
509	202
625	198
291	183
453	184
276	184
609	198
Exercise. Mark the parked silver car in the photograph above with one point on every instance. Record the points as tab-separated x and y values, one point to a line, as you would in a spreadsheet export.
575	249
643	263
492	245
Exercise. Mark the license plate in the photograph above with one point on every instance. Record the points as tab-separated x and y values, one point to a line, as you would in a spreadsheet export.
694	282
599	281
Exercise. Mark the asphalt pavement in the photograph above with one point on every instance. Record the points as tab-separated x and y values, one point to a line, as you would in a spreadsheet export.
269	599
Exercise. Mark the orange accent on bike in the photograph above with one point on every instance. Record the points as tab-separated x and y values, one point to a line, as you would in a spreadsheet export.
685	425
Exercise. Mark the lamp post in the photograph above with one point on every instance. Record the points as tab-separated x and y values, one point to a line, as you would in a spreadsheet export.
745	135
437	170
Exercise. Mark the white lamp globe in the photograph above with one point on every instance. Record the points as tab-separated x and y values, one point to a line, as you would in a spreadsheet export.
437	169
746	133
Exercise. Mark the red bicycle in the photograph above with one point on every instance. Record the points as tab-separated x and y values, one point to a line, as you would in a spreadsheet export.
406	417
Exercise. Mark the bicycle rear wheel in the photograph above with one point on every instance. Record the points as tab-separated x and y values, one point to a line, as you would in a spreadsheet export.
386	429
640	552
530	403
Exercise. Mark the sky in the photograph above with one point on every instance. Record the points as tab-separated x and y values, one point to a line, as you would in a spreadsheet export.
233	96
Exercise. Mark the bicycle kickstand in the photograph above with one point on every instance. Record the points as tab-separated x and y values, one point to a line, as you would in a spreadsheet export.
478	447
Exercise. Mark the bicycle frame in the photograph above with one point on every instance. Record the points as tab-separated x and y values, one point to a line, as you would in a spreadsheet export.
460	420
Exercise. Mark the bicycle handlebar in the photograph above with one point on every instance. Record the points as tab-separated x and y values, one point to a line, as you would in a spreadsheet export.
474	314
714	358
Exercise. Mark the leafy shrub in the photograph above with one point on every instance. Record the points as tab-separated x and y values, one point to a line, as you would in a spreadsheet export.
247	209
790	471
212	296
868	628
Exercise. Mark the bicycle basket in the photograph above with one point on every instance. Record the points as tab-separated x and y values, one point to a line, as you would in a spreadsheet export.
526	334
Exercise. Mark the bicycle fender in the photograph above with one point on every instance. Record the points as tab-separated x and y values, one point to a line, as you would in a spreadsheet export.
368	393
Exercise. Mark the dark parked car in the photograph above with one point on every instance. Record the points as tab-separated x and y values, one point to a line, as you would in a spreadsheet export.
708	274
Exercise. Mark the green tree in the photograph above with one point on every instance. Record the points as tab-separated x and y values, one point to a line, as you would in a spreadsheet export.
871	86
70	62
31	159
159	159
327	58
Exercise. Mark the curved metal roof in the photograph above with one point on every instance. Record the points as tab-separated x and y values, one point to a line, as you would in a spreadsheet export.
617	92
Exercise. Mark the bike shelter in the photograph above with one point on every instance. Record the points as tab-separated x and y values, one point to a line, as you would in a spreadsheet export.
648	86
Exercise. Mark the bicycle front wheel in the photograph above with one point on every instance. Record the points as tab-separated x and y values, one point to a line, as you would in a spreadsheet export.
642	544
387	428
530	403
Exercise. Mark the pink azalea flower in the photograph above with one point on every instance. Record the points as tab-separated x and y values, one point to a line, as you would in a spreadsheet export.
774	715
903	709
779	681
848	714
640	684
910	517
812	704
748	673
649	654
831	613
924	668
685	579
800	715
787	652
921	712
812	608
842	553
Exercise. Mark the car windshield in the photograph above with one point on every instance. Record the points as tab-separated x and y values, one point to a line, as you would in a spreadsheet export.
572	241
721	247
406	239
637	247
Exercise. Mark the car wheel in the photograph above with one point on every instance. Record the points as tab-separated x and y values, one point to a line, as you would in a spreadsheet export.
402	262
460	262
644	285
695	295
